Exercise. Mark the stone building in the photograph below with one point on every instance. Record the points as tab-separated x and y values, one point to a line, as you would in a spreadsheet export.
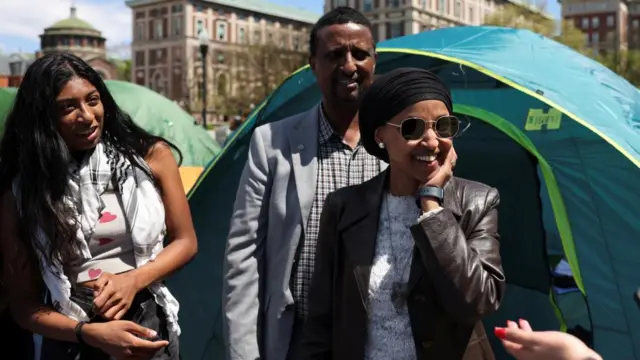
80	38
394	18
13	67
608	25
165	48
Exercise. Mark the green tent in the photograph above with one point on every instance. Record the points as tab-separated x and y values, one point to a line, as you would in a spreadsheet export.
6	99
156	114
163	117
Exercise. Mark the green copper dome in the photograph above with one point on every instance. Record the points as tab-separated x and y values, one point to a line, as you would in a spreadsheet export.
72	22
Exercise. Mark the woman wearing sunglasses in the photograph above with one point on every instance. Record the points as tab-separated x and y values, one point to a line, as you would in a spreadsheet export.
408	263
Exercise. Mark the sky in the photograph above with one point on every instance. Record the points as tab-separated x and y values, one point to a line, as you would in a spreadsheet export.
22	21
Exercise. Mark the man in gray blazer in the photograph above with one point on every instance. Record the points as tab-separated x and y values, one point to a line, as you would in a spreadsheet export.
292	165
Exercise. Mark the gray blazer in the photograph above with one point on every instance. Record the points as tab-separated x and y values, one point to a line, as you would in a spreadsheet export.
270	215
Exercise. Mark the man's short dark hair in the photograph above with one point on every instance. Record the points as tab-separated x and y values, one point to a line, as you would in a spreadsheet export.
338	16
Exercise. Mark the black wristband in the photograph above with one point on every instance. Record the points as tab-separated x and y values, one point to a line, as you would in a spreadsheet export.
78	331
433	192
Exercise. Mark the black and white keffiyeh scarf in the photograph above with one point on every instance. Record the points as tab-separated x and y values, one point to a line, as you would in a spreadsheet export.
145	216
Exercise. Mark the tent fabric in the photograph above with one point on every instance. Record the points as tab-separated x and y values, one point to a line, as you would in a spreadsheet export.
163	117
577	127
6	101
156	114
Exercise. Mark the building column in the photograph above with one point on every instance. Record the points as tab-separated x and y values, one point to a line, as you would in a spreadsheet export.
169	67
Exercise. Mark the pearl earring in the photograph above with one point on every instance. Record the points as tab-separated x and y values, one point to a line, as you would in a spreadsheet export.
381	145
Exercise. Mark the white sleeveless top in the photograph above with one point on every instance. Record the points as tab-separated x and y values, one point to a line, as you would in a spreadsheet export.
111	245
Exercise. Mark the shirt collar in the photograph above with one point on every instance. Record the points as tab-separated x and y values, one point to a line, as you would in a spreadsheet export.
326	131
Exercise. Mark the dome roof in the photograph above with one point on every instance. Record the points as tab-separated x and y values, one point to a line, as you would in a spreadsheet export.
72	22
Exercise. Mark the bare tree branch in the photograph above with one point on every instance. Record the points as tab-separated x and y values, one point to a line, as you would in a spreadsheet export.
259	69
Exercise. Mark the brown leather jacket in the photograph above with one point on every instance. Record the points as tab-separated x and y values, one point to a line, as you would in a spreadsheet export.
456	275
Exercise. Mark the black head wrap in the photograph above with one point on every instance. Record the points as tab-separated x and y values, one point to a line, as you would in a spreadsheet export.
390	94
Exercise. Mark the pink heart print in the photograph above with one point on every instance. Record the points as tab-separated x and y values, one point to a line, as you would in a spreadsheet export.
104	241
95	273
107	217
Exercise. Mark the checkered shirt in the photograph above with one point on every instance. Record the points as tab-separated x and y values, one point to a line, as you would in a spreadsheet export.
338	166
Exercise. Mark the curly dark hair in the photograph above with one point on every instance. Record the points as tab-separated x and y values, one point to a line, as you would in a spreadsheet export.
32	149
337	16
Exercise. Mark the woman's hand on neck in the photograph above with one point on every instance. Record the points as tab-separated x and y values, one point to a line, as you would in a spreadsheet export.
401	184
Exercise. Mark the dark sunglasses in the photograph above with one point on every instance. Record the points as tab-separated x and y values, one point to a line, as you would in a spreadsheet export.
445	127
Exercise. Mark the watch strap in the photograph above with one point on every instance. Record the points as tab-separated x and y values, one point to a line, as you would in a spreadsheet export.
432	192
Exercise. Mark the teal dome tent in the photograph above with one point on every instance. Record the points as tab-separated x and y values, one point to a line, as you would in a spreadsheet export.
557	133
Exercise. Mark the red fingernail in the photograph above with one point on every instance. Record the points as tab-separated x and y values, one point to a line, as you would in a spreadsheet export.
500	333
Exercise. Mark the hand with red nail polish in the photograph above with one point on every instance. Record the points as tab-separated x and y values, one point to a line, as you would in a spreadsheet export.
500	333
523	343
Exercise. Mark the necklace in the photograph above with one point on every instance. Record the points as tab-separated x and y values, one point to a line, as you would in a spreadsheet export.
399	288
